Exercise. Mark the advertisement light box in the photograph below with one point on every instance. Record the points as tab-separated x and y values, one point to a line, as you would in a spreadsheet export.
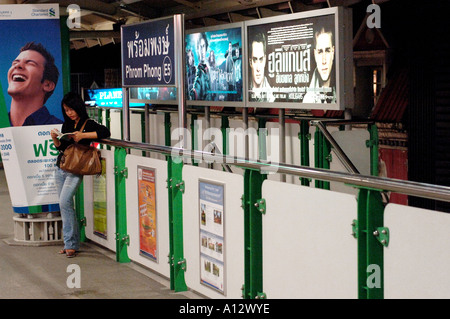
106	98
214	66
301	61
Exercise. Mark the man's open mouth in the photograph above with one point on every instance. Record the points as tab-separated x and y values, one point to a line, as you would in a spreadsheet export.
18	78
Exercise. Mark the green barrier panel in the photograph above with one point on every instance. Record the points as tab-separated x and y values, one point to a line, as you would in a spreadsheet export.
177	262
372	238
79	209
121	173
304	138
253	210
322	156
4	118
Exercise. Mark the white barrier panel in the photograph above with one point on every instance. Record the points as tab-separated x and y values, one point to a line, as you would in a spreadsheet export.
105	238
214	245
292	152
308	249
353	143
417	260
154	258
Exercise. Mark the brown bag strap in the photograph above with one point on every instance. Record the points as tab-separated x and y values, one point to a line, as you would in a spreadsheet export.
82	128
84	124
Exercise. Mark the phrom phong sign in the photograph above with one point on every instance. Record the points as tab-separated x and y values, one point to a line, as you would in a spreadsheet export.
148	53
301	61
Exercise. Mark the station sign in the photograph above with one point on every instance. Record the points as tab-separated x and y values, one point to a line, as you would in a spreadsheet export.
148	53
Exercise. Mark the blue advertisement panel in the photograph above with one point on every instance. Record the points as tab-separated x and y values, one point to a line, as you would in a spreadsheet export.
148	53
214	65
30	64
106	98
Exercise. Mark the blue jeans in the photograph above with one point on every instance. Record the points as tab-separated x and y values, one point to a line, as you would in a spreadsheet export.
67	184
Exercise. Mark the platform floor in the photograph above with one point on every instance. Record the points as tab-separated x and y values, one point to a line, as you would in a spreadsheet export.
39	272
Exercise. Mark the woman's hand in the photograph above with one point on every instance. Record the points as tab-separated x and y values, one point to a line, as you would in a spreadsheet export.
54	136
77	136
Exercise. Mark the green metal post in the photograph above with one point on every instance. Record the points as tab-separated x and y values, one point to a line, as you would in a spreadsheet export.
65	53
253	285
4	120
79	209
369	229
304	137
100	120
262	143
175	187
194	137
373	144
121	123
120	173
176	256
225	124
167	127
322	155
108	123
144	153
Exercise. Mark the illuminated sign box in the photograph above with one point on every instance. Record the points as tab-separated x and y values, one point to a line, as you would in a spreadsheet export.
106	98
148	53
301	61
214	66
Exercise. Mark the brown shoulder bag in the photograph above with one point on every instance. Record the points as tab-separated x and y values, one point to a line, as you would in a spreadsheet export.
81	159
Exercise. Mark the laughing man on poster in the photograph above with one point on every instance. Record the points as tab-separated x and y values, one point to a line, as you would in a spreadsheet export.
32	79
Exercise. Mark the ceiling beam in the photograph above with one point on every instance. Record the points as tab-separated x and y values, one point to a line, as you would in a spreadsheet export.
216	7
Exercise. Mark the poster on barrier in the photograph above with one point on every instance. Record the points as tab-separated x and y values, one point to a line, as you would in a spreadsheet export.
212	250
147	213
100	213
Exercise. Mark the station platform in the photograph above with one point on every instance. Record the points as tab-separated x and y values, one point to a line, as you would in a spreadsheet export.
39	272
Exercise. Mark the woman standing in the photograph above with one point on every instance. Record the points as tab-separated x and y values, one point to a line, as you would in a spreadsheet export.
75	115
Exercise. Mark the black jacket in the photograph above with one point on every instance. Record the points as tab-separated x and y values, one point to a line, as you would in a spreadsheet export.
91	126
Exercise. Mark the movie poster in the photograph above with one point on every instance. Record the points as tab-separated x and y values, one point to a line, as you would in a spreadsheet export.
30	32
293	61
100	205
211	216
214	65
147	213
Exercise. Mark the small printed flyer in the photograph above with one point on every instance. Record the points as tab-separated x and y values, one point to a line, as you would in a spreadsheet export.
147	213
211	215
100	205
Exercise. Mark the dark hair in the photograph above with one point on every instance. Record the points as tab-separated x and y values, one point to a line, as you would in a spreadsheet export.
202	36
260	38
51	72
75	102
325	31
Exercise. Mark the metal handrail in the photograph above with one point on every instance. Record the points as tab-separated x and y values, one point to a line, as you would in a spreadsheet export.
424	190
339	152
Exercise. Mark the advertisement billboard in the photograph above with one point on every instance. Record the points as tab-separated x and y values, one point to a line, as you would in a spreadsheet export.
214	66
27	101
299	61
